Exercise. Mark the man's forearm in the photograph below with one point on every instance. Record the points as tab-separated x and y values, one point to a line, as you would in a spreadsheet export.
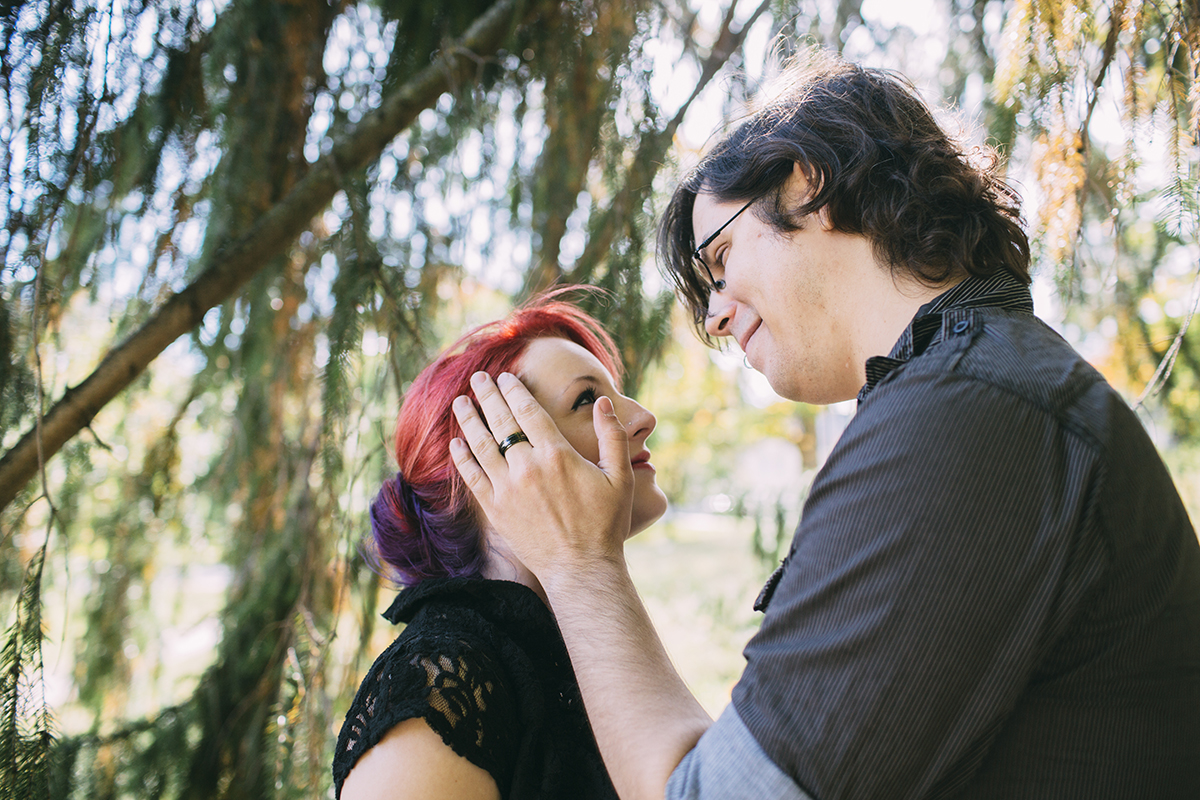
567	519
644	716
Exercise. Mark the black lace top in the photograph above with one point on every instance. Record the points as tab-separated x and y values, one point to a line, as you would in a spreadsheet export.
484	663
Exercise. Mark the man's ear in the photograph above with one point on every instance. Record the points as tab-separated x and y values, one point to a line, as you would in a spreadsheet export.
800	189
826	221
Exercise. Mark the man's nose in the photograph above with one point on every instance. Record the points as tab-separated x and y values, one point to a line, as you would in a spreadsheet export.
718	321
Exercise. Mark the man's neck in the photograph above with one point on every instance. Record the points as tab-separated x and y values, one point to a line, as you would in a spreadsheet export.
893	302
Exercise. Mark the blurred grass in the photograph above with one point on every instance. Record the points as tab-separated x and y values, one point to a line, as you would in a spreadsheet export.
698	576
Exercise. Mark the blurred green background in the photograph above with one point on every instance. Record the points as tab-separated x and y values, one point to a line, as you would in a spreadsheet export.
236	229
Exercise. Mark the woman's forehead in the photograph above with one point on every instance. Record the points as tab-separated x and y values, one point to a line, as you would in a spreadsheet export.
551	362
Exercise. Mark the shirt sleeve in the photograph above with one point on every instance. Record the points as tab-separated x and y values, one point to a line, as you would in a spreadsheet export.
460	690
938	558
728	764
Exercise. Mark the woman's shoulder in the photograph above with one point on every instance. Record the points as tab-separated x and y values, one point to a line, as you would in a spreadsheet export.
412	761
448	675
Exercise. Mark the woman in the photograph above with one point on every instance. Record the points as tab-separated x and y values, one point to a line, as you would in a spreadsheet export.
477	698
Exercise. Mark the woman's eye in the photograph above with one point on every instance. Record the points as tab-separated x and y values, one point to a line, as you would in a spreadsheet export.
586	397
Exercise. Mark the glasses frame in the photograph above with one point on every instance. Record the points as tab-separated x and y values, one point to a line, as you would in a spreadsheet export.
698	253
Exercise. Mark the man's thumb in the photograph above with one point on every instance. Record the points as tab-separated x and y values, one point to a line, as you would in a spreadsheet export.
613	439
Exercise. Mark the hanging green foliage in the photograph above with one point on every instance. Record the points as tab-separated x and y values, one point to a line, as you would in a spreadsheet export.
1115	220
309	193
25	727
251	223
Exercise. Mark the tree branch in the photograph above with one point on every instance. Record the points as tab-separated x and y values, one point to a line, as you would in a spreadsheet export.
648	158
232	266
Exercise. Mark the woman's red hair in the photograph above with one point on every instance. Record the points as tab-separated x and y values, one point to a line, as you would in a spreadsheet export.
422	521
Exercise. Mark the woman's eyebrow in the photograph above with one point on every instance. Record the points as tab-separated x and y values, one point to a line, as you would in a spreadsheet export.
591	379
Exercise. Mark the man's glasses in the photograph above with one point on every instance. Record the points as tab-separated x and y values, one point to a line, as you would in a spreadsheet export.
698	253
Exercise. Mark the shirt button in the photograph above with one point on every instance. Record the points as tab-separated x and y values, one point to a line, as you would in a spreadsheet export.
961	326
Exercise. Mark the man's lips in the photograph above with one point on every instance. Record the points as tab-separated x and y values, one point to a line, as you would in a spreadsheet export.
744	340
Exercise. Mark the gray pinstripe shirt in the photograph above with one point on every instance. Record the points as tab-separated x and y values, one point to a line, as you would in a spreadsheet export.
994	591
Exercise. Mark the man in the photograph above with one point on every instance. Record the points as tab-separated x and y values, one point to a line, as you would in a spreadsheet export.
994	591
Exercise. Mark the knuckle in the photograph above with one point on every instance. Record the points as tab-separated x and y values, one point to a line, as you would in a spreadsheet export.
520	473
525	406
557	460
464	460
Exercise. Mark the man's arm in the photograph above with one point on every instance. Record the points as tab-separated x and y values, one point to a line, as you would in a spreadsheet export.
567	520
729	764
644	716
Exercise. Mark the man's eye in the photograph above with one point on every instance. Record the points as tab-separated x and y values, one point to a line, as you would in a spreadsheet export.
586	397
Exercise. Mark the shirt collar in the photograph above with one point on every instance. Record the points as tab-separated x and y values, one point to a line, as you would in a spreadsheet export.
1001	290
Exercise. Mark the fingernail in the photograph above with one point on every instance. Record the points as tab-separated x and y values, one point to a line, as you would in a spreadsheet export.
505	377
479	379
606	407
457	445
461	403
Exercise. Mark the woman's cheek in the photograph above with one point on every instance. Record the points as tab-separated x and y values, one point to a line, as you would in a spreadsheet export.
584	441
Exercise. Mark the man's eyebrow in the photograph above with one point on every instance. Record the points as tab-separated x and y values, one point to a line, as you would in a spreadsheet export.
698	253
712	237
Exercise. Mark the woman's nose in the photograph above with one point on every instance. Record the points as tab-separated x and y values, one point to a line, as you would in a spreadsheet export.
638	420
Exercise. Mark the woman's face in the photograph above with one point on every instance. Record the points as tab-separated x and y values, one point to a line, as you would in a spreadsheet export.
567	379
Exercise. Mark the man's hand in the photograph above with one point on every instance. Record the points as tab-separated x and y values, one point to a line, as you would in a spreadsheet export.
567	520
554	508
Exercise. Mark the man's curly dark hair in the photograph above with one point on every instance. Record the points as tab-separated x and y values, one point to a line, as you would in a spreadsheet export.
881	166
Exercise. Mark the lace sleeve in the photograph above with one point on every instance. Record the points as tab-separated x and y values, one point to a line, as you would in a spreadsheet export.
458	689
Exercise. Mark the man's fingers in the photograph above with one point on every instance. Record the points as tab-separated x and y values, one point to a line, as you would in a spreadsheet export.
472	474
528	414
613	440
495	408
477	435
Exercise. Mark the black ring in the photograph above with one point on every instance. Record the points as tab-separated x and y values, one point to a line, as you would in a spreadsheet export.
512	439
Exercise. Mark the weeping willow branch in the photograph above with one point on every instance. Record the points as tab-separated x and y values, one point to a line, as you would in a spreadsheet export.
25	734
651	149
232	266
1159	378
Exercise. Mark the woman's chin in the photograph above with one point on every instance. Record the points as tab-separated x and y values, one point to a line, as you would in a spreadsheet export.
647	517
